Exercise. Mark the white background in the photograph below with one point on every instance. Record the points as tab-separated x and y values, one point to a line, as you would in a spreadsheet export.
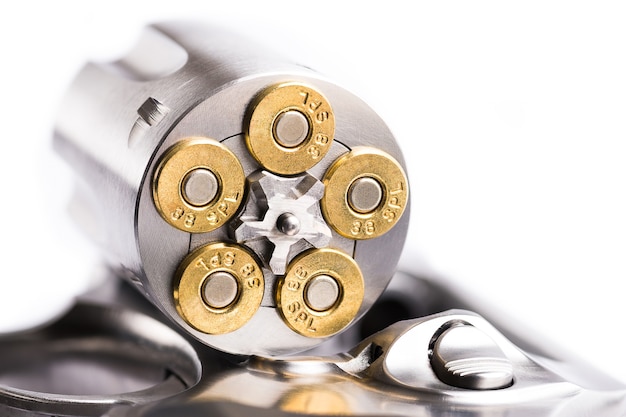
512	117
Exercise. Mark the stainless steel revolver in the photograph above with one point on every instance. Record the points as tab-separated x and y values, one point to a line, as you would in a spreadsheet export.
246	196
251	214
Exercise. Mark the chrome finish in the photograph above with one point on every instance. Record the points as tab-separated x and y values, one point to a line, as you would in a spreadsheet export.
417	346
465	357
288	224
186	80
94	358
388	373
282	218
405	361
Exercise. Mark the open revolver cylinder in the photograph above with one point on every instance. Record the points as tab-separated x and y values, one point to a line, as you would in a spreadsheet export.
247	197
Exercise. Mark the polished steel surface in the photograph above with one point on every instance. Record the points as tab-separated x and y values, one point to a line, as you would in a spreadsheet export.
282	216
465	357
301	248
209	83
288	224
387	373
95	357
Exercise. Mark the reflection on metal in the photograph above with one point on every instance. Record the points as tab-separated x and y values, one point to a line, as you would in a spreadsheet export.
94	357
315	399
465	357
388	373
319	223
282	218
198	136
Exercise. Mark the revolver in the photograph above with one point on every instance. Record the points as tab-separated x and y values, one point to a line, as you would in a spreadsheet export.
251	214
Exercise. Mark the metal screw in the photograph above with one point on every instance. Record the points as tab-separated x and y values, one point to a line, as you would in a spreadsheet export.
288	224
291	128
220	290
365	194
200	186
321	293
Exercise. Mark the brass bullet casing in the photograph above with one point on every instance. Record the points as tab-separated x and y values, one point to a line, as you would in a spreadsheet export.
294	303
308	111
337	204
191	279
214	160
